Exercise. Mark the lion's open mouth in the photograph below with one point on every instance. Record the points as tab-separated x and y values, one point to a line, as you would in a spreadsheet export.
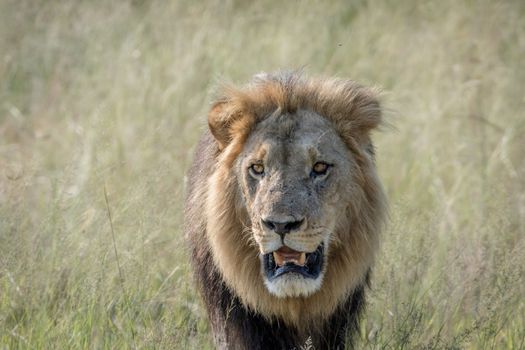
286	260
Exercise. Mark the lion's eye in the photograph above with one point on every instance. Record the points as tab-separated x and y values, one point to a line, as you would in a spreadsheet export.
257	169
320	168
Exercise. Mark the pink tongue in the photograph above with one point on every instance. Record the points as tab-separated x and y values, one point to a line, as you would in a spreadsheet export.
285	254
288	253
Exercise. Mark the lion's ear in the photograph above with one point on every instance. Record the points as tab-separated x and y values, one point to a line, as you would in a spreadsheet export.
219	121
368	111
361	113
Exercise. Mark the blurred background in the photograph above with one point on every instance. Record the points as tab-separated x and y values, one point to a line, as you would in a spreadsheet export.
101	105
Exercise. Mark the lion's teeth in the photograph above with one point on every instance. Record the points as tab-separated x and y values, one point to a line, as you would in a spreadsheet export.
302	259
279	261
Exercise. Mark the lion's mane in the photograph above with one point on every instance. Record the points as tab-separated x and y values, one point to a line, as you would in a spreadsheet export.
243	314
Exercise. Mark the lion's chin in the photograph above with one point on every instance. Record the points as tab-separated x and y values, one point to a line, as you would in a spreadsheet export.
289	273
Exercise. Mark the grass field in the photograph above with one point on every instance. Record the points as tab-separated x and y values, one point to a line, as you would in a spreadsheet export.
101	103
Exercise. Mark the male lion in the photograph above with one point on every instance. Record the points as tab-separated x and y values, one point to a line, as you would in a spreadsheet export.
284	211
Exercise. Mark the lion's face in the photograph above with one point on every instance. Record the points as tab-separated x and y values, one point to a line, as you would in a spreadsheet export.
294	172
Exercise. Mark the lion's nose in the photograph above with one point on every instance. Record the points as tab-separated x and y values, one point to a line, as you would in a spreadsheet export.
282	228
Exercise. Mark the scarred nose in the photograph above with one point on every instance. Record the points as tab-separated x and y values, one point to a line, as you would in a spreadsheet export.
282	228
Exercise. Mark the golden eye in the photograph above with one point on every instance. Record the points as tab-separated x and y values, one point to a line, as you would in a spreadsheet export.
320	168
257	169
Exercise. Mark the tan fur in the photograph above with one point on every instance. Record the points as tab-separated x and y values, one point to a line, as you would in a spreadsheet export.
353	111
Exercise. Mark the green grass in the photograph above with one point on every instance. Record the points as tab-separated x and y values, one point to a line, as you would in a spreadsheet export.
110	96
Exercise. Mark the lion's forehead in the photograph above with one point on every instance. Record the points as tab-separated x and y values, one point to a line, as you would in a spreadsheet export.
293	140
299	125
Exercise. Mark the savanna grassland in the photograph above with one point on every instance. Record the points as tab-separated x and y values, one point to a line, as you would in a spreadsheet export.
101	104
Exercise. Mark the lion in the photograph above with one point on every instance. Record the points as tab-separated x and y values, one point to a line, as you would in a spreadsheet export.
284	211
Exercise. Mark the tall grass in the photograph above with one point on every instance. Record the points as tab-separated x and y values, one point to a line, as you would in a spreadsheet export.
102	102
